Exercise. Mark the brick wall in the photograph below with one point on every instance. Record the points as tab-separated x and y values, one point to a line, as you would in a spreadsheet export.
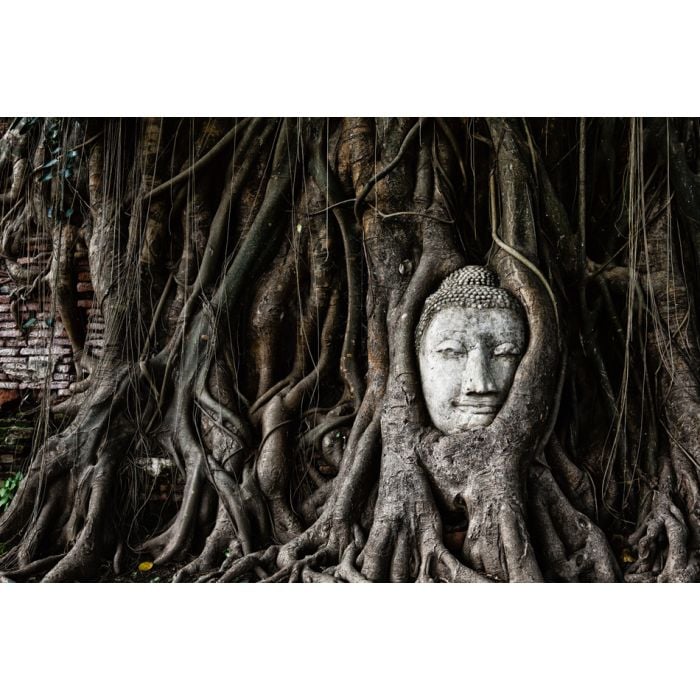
36	355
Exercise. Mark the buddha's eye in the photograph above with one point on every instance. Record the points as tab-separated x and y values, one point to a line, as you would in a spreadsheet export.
506	350
450	351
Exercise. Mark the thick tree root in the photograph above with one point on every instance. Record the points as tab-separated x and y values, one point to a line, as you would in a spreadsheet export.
315	557
662	543
220	544
573	547
70	543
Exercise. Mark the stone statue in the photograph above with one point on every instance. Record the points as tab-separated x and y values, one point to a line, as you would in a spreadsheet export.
469	340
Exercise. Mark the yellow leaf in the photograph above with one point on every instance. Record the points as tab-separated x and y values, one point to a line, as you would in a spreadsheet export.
628	557
145	566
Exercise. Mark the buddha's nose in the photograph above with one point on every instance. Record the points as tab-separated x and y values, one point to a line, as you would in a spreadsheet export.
477	378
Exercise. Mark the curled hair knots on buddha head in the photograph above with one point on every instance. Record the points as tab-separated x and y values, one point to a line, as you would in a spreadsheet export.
470	287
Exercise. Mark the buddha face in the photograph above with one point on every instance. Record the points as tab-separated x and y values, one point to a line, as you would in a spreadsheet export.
467	360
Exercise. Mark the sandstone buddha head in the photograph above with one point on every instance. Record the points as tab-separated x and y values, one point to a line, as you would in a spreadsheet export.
470	338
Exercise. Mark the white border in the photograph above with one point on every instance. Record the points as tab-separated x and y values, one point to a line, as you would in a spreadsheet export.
348	641
314	57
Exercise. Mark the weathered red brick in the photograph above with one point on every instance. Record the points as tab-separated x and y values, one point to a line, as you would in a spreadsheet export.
7	395
42	342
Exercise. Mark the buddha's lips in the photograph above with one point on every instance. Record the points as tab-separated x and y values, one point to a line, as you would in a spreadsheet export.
476	406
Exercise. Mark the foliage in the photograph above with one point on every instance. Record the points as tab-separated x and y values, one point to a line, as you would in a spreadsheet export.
8	489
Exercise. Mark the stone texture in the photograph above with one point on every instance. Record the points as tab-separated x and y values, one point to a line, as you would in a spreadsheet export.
470	339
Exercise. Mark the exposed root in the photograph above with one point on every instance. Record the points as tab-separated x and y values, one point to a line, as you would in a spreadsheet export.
220	544
174	542
662	546
573	547
346	569
75	541
498	543
254	564
36	568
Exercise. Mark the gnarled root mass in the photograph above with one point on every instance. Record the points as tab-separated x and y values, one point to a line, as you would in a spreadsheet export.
260	282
